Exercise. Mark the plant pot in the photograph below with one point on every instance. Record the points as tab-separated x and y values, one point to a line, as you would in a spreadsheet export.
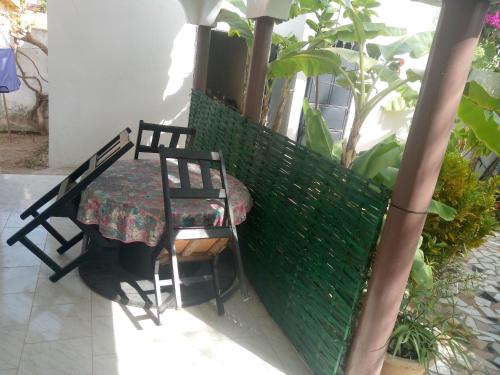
278	9
201	12
400	366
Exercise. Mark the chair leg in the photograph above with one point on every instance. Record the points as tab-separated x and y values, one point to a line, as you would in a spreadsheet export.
239	266
216	283
176	282
157	288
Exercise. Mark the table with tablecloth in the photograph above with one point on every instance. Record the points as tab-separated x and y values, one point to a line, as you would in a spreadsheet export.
126	201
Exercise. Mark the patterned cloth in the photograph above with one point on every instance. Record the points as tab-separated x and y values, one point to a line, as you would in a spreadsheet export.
126	201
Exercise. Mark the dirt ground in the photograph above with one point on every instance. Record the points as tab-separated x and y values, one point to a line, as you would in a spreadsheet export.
25	154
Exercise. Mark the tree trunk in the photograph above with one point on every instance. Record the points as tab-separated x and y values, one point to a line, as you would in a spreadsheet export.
39	114
349	152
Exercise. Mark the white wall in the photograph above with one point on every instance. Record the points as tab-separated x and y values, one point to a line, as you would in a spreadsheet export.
113	63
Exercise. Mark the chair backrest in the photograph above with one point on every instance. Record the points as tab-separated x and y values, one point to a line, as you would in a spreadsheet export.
211	166
158	130
73	185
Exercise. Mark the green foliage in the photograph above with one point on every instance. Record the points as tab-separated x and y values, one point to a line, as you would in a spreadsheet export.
317	56
238	26
319	138
384	154
421	272
381	163
416	46
424	324
487	53
480	111
474	202
310	62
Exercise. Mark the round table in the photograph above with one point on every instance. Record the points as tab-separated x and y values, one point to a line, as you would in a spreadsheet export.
126	204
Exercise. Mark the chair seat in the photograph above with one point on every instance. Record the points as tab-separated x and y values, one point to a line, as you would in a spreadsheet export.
195	250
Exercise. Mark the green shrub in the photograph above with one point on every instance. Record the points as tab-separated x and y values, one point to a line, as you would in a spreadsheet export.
459	187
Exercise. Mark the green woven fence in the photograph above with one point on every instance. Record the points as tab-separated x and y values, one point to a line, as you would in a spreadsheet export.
309	238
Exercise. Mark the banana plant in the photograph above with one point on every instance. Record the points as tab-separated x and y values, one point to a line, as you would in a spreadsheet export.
375	63
421	272
381	163
480	111
319	138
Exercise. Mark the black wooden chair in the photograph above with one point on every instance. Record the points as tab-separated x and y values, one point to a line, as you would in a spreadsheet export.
63	201
158	130
192	244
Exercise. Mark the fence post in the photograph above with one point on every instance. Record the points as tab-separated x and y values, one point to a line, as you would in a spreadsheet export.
460	24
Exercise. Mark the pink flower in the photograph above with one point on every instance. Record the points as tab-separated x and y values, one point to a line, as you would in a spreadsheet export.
493	19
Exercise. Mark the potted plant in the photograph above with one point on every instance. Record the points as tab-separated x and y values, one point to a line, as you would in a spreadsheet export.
428	330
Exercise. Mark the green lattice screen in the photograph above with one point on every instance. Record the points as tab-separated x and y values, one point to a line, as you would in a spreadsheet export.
308	241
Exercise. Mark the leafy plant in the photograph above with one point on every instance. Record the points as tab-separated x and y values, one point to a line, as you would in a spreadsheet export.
421	273
426	330
474	202
319	138
480	111
487	54
381	163
375	63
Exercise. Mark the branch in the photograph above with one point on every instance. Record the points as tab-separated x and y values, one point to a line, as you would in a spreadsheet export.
29	38
34	64
25	78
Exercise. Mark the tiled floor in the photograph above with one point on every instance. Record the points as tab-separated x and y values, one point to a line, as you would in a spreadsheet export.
481	313
65	328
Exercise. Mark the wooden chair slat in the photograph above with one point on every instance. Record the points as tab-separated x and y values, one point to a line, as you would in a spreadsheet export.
202	233
179	193
174	140
184	174
158	130
205	174
156	139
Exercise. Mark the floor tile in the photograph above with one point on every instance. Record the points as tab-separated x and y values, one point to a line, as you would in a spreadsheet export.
38	236
18	192
4	216
150	363
254	351
18	279
17	256
231	324
15	220
58	322
15	308
65	357
11	345
68	290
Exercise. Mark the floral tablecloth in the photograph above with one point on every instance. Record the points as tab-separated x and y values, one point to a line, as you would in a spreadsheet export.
126	201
